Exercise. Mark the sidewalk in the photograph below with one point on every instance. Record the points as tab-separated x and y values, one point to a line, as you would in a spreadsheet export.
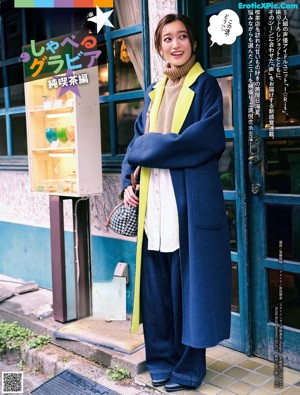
228	373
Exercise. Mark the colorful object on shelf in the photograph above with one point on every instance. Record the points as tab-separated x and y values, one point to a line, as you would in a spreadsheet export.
51	134
71	133
62	135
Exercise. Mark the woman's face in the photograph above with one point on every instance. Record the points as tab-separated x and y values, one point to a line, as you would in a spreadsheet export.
175	45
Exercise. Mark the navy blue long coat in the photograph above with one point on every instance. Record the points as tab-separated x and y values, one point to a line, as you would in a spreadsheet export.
191	152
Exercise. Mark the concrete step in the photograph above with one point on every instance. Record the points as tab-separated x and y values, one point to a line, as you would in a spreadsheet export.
23	308
52	360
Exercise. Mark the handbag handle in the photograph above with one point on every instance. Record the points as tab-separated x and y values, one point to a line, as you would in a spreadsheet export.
110	215
134	177
133	182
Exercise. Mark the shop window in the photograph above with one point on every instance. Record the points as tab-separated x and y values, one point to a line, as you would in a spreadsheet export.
283	225
231	217
19	134
290	89
283	166
103	70
121	80
219	55
36	24
211	2
3	142
293	16
235	300
126	116
226	88
226	166
13	34
289	300
2	102
63	22
16	85
126	67
105	129
121	72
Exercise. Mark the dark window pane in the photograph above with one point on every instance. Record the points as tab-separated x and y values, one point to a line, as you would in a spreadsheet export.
103	70
3	141
235	301
105	129
128	61
293	38
0	49
226	166
294	31
226	87
290	299
211	2
103	79
220	55
2	102
13	34
283	166
62	19
36	24
231	216
16	86
283	224
18	124
292	90
115	20
126	116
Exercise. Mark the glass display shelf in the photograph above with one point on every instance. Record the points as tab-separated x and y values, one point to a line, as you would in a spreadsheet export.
64	142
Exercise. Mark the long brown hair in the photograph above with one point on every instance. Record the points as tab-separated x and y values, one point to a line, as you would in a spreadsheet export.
172	18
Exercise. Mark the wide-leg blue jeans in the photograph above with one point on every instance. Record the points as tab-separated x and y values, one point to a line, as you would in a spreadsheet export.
161	301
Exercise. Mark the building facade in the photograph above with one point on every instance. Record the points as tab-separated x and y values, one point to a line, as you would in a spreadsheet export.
260	169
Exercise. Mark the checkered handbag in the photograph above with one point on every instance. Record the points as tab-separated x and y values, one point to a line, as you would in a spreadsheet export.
122	219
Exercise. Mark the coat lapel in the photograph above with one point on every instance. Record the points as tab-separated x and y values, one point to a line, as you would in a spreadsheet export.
156	96
185	98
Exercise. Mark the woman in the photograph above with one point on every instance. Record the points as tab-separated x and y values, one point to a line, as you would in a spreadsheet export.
183	269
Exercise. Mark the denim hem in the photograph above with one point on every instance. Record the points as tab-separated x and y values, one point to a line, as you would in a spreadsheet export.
187	380
160	374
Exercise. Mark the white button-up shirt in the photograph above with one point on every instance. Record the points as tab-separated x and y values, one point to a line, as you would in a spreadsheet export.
161	222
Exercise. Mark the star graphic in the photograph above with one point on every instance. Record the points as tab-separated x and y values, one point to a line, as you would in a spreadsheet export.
101	19
72	88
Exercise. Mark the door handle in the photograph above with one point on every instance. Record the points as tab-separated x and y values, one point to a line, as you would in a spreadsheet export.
255	152
255	187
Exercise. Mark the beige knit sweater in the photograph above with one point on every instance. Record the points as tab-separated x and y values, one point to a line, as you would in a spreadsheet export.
176	76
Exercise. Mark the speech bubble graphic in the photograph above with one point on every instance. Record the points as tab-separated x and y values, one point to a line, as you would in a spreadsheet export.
224	27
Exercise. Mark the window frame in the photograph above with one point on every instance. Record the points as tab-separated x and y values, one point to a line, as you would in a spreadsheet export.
111	162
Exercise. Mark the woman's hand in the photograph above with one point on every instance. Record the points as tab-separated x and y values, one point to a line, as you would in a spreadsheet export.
130	198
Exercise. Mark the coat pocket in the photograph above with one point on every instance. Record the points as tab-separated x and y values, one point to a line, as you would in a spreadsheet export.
204	190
